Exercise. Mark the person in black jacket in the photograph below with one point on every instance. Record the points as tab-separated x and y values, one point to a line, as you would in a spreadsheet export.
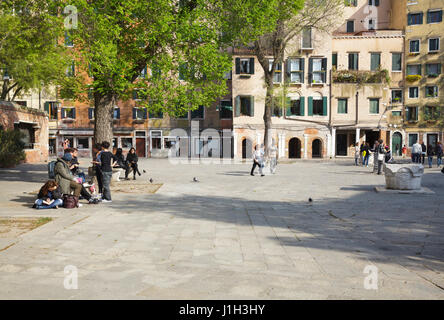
430	154
49	197
120	159
131	162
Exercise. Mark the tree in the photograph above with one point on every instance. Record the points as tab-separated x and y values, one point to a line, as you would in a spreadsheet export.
30	57
172	52
293	17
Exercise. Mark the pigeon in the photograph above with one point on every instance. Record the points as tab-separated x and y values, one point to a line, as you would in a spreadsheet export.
144	171
151	180
310	200
195	179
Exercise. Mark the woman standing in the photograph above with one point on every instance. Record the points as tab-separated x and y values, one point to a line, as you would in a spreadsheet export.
357	153
131	162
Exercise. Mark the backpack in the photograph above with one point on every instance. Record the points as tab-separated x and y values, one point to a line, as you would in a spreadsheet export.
70	201
51	167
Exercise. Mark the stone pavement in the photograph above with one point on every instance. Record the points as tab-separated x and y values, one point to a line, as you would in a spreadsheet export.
231	236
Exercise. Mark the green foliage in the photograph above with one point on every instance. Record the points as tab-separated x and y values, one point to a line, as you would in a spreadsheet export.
361	76
11	148
413	77
29	51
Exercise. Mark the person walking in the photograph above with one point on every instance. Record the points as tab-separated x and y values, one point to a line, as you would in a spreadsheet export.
380	155
273	157
423	151
361	152
258	155
96	172
375	156
106	165
366	154
131	163
416	152
357	154
404	152
430	154
438	152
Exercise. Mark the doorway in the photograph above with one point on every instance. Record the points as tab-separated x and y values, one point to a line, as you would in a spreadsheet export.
247	149
341	144
371	137
432	139
141	147
316	149
397	144
294	148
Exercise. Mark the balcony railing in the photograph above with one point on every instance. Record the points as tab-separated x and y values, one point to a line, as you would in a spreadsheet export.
361	76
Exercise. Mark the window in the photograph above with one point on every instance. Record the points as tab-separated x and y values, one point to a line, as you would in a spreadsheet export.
306	39
414	46
68	113
68	39
244	65
71	70
434	16
433	44
414	18
375	61
244	106
295	70
138	94
374	105
276	110
228	75
198	113
51	109
226	109
155	115
116	113
373	3
396	113
371	24
317	70
91	113
433	69
413	69
396	96
353	61
318	106
127	143
28	134
342	105
83	143
431	91
413	138
412	113
295	106
413	92
396	62
139	114
431	113
351	26
351	3
277	72
334	60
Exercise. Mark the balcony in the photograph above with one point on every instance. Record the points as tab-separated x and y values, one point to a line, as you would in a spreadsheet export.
361	76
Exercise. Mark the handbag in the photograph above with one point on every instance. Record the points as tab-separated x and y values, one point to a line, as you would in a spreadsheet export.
381	157
70	201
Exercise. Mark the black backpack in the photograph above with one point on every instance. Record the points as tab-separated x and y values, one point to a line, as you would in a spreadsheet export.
51	167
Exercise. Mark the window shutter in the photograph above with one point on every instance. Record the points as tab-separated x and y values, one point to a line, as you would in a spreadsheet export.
118	113
310	70
73	113
63	114
377	3
251	65
324	106
439	68
251	106
429	16
407	114
324	69
310	106
90	111
302	106
288	106
46	107
56	111
421	16
237	65
409	19
237	107
302	68
134	113
288	70
145	114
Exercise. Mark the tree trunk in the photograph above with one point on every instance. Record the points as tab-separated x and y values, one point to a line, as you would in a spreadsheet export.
267	113
103	117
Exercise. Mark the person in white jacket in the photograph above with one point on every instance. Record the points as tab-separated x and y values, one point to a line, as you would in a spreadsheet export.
258	160
416	152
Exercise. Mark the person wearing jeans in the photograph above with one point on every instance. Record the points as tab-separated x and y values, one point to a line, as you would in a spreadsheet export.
430	154
106	165
438	154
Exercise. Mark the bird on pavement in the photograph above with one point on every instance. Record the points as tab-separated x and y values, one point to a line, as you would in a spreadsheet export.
195	179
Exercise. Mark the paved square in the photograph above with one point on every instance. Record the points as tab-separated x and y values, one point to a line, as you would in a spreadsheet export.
231	236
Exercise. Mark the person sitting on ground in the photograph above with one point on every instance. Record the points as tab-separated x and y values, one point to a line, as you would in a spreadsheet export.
131	162
49	197
67	182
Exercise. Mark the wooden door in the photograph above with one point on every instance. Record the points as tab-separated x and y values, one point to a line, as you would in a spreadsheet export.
141	147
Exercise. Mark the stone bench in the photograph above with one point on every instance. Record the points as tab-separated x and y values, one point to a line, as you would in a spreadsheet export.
403	176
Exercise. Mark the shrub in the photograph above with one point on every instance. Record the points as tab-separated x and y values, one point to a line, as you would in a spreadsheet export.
11	148
413	77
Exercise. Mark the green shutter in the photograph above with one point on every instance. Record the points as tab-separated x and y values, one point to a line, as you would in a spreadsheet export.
237	107
288	106
251	106
302	106
324	106
310	106
46	107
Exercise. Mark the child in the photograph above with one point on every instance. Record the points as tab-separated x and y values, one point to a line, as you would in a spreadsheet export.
49	196
107	162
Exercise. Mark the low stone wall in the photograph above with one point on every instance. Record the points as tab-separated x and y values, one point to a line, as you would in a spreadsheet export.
12	114
403	176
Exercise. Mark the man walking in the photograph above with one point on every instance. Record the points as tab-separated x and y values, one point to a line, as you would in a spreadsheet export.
416	152
438	154
258	156
106	159
423	151
380	155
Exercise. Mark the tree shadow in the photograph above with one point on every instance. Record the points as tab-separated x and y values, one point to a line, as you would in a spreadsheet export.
26	173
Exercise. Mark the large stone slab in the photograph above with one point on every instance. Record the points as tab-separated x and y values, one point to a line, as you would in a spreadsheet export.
403	176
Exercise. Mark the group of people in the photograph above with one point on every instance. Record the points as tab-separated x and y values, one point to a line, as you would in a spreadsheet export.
380	152
70	180
420	151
